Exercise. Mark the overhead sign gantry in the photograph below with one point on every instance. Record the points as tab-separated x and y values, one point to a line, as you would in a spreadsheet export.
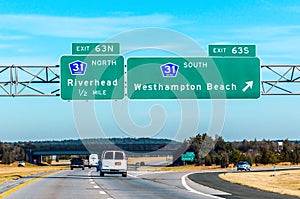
44	80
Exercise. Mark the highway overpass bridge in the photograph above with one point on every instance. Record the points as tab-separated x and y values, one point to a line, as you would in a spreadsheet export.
35	156
132	146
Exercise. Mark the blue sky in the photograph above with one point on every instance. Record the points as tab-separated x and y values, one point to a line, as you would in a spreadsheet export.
39	32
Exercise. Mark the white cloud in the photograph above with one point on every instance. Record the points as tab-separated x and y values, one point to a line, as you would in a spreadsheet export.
12	37
268	32
26	60
275	44
76	27
4	46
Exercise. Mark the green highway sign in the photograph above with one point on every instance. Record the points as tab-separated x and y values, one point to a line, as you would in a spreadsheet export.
232	50
188	156
95	48
193	78
91	77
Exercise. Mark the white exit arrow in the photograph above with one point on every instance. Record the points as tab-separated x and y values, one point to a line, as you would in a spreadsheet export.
249	85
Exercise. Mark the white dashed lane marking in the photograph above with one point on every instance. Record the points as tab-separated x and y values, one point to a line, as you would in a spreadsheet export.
97	187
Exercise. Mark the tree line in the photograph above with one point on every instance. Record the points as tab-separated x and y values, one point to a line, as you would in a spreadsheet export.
11	152
97	144
209	151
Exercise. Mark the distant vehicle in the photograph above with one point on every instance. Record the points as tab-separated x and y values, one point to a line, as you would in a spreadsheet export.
21	164
243	166
93	160
77	163
138	164
113	162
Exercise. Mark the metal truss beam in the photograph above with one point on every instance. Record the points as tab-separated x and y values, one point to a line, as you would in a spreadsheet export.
44	80
280	79
29	81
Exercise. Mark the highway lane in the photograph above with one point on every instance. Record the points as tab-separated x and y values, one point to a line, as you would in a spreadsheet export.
153	185
88	184
65	184
212	180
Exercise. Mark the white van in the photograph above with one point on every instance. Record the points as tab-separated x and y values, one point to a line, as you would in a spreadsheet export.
114	162
93	160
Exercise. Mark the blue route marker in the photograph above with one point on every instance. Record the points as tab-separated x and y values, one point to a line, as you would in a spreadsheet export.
78	67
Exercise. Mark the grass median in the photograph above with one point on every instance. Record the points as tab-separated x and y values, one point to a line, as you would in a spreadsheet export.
282	182
13	172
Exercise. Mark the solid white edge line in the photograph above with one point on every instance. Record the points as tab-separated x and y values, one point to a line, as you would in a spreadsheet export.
102	192
194	191
131	175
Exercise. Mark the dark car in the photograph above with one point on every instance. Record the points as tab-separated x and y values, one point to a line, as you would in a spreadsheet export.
77	163
243	166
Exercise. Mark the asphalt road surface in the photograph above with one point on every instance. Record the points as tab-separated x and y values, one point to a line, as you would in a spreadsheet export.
88	184
236	191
